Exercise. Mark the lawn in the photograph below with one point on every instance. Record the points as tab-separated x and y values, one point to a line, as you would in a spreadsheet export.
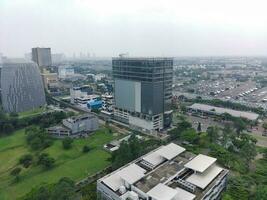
72	163
33	112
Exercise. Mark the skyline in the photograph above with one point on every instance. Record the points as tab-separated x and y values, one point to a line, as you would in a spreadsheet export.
162	28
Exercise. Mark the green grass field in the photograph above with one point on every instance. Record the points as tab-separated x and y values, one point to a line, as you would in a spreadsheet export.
70	163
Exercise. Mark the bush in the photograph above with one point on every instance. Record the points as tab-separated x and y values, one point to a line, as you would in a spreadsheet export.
45	160
26	160
15	172
86	149
37	138
67	143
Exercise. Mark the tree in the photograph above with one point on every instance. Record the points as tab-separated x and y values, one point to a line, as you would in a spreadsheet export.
261	193
264	126
183	125
189	135
239	125
237	188
15	172
37	138
64	190
67	143
13	115
213	133
86	148
8	128
26	160
199	127
264	153
45	160
183	109
247	148
227	197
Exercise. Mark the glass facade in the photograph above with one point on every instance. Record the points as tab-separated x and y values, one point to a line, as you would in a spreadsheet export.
155	76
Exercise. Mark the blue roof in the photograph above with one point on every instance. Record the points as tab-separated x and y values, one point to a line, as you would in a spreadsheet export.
94	102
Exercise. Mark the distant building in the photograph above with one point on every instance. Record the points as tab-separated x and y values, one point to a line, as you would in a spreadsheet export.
42	56
22	87
143	92
167	173
108	102
95	104
50	81
213	110
76	125
80	92
65	72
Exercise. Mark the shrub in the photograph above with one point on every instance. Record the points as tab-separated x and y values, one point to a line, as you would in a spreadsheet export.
67	143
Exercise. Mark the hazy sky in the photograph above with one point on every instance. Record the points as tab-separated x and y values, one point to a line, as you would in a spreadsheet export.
140	27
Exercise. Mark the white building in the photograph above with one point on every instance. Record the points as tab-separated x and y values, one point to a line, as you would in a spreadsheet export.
167	173
203	108
82	92
65	72
75	125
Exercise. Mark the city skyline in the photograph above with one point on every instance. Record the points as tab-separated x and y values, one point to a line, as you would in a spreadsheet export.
162	28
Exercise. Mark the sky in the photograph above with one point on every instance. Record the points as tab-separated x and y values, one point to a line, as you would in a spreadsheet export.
138	27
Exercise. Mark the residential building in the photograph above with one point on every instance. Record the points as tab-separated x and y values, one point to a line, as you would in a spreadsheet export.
108	102
167	173
42	56
143	92
79	92
50	81
75	126
21	85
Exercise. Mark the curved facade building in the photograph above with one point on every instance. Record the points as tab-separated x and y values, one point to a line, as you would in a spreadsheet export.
21	85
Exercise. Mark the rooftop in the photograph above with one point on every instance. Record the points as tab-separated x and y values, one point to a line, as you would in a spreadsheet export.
200	163
219	110
168	173
203	179
130	174
16	61
80	117
142	58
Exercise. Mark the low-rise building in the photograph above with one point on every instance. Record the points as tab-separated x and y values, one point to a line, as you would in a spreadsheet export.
65	71
81	93
50	81
167	173
213	110
94	104
108	102
76	125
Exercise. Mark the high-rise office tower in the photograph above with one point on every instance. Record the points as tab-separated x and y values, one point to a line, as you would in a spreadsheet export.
42	56
143	92
21	86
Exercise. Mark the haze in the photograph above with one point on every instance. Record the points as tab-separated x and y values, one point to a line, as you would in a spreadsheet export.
142	28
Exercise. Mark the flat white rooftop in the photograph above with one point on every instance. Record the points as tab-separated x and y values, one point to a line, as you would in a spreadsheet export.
130	174
184	195
219	110
203	179
167	152
200	163
170	151
162	192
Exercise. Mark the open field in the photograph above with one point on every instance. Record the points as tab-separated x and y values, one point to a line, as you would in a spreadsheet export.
72	163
